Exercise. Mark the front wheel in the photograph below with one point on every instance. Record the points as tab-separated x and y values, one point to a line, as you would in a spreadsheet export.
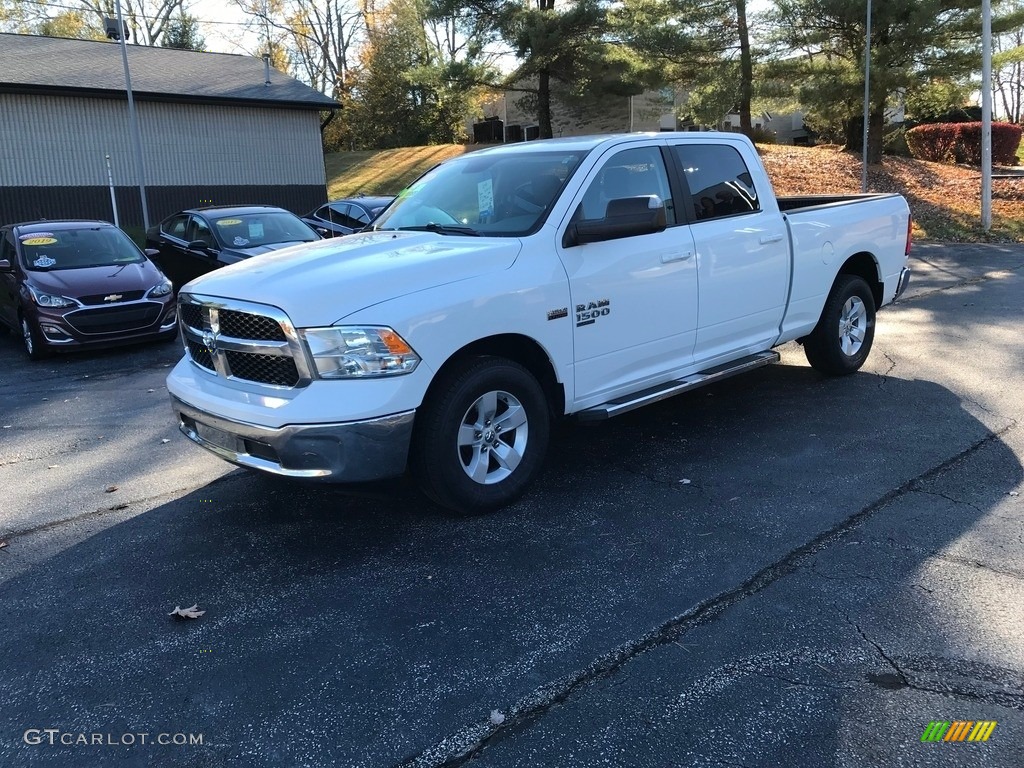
32	339
481	436
841	341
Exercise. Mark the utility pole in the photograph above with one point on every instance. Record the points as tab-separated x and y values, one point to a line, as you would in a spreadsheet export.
867	104
140	168
986	115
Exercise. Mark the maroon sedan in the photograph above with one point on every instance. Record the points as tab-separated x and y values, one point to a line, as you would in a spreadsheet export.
76	284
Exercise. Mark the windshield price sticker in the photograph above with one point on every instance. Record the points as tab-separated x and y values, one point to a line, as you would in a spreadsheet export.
39	241
44	261
255	230
485	197
228	222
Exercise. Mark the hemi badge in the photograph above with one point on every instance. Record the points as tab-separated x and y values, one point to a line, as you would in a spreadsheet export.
558	314
112	297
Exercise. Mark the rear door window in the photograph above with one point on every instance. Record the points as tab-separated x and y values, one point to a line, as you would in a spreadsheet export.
175	226
719	181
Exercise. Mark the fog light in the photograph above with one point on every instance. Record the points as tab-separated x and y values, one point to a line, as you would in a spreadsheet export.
53	330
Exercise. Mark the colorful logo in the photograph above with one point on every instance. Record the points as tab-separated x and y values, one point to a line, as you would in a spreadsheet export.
958	730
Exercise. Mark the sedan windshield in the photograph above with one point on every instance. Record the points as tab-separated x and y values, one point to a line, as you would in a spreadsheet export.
78	249
249	230
500	194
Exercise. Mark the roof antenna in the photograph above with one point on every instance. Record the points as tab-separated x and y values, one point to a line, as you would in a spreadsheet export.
266	68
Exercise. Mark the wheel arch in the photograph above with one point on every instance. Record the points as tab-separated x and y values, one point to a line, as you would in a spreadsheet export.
518	348
865	265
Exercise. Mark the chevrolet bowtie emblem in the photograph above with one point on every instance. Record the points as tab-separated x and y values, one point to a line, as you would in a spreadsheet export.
112	297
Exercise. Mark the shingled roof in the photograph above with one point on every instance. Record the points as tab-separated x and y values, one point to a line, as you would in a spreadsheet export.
33	64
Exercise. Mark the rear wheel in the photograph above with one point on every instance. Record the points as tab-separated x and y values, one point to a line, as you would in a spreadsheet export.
32	339
481	436
841	341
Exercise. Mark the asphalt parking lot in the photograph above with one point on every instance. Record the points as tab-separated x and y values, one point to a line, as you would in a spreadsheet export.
781	570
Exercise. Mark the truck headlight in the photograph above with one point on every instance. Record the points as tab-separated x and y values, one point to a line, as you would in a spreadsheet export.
349	352
50	300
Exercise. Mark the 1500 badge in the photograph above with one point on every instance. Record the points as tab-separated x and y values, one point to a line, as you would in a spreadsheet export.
586	314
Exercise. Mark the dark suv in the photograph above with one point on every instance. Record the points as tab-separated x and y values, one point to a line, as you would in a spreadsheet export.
72	284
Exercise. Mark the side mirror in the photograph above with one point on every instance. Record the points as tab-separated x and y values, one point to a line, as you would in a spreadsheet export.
5	265
152	252
322	232
624	217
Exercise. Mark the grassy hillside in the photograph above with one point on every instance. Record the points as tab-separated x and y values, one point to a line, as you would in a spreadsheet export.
945	200
382	172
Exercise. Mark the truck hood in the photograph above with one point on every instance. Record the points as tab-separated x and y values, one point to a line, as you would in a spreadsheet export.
319	283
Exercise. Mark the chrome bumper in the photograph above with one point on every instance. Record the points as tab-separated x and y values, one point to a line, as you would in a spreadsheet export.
901	286
349	452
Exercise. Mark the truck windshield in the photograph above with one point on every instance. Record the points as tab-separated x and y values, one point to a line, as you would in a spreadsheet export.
497	195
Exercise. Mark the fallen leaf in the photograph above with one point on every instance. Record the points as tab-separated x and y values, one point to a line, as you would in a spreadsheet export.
151	390
3	544
187	613
8	426
110	488
53	466
497	718
685	481
165	440
1013	493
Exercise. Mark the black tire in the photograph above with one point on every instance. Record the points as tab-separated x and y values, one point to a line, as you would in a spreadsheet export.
832	346
442	466
32	339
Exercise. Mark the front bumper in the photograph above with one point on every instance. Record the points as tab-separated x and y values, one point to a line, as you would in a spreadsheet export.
348	452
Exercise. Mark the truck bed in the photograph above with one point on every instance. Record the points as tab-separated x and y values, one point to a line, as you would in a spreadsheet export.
791	203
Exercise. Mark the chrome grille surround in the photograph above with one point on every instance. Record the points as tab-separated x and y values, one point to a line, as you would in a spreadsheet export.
207	345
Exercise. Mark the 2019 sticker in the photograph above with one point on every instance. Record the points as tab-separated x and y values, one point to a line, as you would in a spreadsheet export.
228	222
39	241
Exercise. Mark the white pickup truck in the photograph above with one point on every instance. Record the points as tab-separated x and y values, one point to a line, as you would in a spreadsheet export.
579	276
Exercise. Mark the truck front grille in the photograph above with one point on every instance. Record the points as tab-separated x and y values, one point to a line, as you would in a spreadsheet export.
243	341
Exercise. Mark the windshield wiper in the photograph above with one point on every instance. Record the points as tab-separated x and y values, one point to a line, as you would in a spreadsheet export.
443	229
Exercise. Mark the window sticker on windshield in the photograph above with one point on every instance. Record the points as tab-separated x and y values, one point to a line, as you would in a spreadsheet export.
34	235
228	222
485	198
240	241
39	241
255	230
44	261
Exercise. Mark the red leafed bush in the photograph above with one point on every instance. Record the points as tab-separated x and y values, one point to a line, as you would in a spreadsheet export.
961	142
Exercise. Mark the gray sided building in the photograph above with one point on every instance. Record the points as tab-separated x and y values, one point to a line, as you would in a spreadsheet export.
213	132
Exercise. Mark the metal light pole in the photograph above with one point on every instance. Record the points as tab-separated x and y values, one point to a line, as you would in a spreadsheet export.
867	104
140	167
986	115
113	197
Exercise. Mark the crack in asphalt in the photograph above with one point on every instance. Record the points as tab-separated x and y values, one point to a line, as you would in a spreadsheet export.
967	562
947	497
1000	698
464	744
888	371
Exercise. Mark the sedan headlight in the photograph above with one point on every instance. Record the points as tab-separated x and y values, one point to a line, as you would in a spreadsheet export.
160	290
348	352
49	300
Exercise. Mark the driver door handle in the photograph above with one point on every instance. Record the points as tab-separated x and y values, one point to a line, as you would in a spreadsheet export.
670	256
765	239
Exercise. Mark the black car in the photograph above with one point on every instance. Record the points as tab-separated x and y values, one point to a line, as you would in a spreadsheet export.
343	217
194	242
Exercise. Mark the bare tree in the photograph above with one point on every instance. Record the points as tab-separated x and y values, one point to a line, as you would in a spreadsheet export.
147	19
